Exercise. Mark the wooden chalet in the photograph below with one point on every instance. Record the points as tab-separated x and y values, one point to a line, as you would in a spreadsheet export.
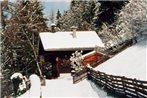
56	48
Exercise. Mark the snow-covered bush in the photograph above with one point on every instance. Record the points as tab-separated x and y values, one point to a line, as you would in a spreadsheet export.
76	60
19	84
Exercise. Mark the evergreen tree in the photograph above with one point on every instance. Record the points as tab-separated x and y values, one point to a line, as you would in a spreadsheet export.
106	11
20	39
52	16
89	11
72	4
58	14
81	15
132	20
104	19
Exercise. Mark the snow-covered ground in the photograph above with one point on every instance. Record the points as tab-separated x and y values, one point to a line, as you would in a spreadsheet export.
131	62
63	87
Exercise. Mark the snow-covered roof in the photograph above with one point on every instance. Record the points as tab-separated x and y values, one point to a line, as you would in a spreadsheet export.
64	41
131	62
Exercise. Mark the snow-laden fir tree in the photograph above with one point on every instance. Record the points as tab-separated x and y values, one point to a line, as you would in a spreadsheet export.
80	14
132	19
131	22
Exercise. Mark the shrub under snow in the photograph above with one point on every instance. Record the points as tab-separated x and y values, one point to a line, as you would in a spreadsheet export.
19	84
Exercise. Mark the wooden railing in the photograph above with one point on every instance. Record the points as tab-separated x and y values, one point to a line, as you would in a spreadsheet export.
79	76
119	84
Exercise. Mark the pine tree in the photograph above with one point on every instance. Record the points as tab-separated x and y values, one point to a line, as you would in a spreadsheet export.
81	15
89	12
132	19
72	4
106	11
58	14
52	16
105	18
20	38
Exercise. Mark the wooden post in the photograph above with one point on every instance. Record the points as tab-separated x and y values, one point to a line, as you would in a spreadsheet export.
135	86
113	85
88	73
124	85
105	76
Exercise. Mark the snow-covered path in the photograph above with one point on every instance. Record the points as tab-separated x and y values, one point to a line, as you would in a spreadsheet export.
63	87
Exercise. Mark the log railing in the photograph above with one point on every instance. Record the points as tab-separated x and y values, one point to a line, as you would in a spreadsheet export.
119	84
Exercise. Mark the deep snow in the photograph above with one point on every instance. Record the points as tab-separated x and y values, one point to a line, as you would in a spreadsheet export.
63	87
131	62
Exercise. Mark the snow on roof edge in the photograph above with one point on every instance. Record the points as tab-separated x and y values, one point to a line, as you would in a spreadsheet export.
70	49
84	47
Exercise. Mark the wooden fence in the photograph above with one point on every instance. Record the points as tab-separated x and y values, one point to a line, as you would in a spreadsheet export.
118	84
79	76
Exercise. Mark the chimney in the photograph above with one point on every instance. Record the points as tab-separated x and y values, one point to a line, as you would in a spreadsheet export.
53	28
74	28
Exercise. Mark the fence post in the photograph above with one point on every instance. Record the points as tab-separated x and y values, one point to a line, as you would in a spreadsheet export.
100	78
135	86
113	85
105	79
96	76
88	73
74	78
124	85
